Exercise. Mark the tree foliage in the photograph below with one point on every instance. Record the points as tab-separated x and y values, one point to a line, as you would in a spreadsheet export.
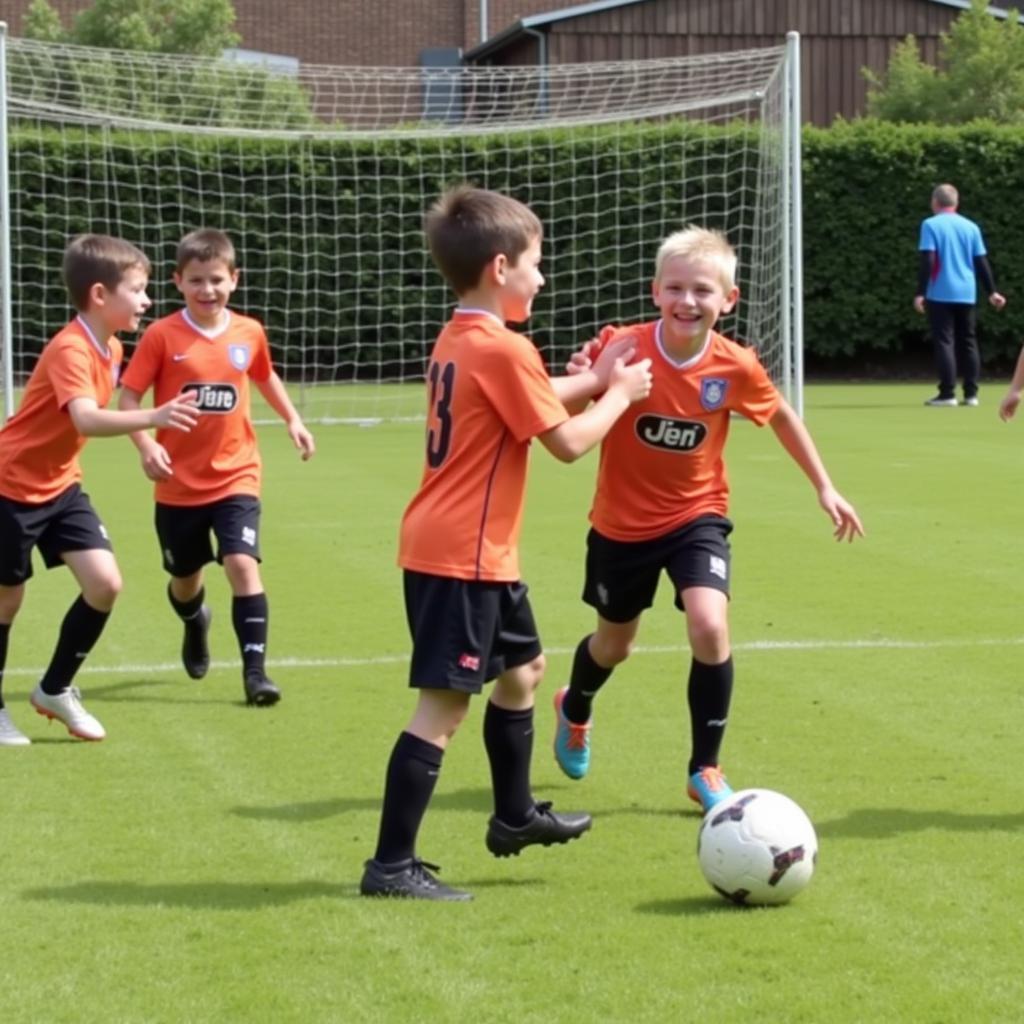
209	93
981	74
200	27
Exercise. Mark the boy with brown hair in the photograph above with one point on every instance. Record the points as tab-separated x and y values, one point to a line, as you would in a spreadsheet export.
662	499
42	503
212	483
467	608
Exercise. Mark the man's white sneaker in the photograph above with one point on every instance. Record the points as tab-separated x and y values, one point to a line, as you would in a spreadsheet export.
10	734
67	707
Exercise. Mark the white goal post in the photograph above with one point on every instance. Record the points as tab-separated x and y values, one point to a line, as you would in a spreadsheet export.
322	178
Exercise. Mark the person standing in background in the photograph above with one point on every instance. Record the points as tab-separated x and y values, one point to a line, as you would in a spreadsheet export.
953	259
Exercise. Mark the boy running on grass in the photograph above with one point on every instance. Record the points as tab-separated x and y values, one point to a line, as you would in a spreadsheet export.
467	608
662	498
42	503
211	484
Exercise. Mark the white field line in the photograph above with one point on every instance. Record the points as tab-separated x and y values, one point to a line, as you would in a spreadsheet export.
769	646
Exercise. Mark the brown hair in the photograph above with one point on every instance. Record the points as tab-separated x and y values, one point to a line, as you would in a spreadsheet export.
98	259
946	197
467	227
205	245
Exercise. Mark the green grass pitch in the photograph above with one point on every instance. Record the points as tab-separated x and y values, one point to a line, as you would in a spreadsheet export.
201	865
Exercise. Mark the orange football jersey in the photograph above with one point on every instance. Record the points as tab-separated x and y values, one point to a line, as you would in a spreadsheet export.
219	457
39	445
661	463
488	395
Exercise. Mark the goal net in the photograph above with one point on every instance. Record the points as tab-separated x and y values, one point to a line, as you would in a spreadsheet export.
322	178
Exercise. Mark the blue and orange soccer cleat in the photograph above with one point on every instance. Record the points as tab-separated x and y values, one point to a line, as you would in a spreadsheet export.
707	787
572	741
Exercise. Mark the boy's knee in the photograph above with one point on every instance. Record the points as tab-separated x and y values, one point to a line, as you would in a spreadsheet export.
102	592
10	602
709	638
609	651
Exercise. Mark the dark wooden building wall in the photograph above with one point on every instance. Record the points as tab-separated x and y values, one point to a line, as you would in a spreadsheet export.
839	38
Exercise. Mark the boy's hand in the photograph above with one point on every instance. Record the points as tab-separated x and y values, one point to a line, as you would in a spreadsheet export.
634	380
302	439
156	463
581	361
621	350
1008	406
842	514
997	300
180	413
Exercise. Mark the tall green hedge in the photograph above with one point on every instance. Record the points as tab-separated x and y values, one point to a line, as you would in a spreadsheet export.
866	188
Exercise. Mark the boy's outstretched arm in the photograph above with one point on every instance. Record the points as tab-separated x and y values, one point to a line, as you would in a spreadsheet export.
794	437
588	372
1008	406
90	420
272	389
578	434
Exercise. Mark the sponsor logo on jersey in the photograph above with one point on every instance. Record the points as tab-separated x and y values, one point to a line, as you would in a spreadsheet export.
216	398
239	356
670	434
712	392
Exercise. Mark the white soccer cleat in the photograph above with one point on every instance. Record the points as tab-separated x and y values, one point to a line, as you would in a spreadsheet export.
10	734
67	707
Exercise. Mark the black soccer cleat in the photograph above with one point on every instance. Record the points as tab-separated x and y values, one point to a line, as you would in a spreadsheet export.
195	648
260	691
544	828
408	879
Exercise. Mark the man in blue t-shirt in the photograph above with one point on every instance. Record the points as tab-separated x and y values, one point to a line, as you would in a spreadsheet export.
953	258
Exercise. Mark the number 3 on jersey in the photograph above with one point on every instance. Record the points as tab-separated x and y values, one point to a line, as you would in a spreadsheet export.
439	422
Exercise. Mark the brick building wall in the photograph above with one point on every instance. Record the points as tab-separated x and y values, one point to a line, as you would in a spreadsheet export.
361	32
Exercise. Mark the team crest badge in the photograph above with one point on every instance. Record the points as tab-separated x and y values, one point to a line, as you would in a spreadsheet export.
712	392
239	356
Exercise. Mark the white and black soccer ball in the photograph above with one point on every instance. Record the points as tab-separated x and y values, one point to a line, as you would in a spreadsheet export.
757	847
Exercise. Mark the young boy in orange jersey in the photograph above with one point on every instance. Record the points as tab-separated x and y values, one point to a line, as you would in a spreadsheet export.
212	483
662	499
41	499
467	609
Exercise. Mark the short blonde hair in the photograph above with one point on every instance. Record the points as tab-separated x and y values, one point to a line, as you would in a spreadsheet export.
946	196
695	243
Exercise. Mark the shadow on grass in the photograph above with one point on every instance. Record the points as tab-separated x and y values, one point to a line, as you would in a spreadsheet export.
882	823
138	691
197	895
690	906
226	895
479	800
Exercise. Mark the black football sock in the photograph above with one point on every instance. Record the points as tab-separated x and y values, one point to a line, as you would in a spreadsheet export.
587	678
5	632
412	774
189	609
250	615
709	693
79	632
508	740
